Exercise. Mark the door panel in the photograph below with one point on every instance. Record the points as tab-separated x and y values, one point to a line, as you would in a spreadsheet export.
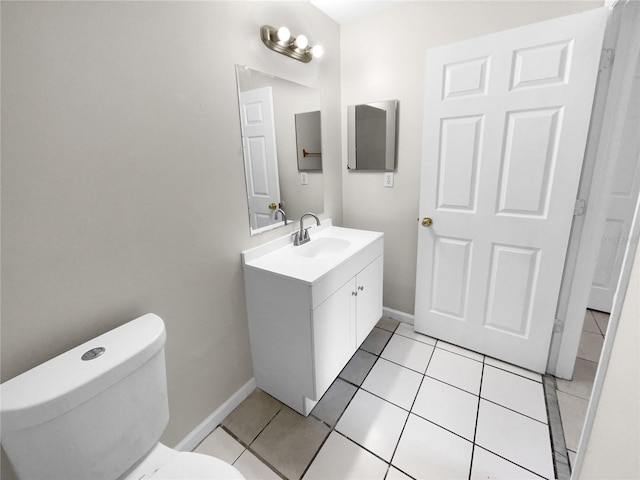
465	78
451	277
505	125
541	65
458	162
528	161
511	289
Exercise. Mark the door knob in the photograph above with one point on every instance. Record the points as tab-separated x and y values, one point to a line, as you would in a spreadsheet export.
272	206
426	222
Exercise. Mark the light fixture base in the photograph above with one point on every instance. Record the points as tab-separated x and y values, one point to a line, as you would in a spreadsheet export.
269	37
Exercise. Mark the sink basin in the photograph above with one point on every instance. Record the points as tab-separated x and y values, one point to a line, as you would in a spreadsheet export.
330	251
322	247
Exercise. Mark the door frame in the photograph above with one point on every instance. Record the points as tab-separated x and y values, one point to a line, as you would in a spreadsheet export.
612	95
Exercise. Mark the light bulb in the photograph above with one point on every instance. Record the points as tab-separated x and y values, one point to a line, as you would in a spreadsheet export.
283	34
317	51
301	42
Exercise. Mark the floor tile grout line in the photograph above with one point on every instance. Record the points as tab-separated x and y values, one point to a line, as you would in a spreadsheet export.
572	394
274	469
474	444
452	385
513	373
556	431
385	399
510	461
404	366
480	398
475	428
416	340
388	462
516	411
440	426
233	435
479	395
317	451
406	420
359	387
331	427
252	451
596	321
556	428
460	354
247	448
586	360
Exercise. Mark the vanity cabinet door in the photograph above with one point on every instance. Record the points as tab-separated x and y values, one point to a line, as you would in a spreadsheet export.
334	336
369	299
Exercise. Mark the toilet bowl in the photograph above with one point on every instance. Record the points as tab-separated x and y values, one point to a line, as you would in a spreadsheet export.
97	412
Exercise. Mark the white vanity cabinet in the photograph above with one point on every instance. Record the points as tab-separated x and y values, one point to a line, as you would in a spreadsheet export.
341	323
304	329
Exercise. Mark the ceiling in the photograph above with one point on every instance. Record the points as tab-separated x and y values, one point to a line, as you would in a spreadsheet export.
344	11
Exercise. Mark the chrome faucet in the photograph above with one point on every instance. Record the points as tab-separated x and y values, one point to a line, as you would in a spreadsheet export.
284	215
302	236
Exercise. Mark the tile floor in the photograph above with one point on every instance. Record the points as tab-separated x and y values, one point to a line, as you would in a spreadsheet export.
406	406
573	396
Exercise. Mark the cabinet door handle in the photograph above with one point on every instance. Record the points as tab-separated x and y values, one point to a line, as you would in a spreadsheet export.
355	294
361	288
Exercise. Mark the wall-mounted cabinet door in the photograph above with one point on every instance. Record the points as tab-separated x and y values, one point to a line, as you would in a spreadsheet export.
333	336
369	299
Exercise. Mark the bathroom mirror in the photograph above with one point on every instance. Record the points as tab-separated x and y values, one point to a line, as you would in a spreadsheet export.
372	131
279	119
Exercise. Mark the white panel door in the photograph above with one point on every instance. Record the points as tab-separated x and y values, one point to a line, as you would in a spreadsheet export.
505	125
260	156
622	200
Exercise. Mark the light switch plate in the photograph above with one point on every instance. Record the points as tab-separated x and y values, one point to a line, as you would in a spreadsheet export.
304	179
388	179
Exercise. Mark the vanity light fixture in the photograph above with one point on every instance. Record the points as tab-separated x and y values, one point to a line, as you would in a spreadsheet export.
280	40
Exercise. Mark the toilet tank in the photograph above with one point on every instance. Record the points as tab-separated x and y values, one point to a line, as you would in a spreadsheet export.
91	418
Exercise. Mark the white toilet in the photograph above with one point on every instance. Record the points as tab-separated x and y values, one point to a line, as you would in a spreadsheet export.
97	412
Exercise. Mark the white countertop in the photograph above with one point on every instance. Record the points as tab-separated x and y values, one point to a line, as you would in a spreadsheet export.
280	257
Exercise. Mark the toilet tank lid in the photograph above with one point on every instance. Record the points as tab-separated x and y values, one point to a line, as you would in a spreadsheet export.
66	381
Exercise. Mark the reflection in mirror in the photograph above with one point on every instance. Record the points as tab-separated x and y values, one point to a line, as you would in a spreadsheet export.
270	110
372	131
309	141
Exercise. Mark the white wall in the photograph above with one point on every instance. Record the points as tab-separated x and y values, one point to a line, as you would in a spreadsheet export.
383	58
122	179
614	443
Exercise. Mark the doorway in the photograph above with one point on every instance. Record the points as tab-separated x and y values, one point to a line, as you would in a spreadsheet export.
615	157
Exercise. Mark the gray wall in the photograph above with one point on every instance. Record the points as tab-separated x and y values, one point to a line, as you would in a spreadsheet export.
122	179
383	58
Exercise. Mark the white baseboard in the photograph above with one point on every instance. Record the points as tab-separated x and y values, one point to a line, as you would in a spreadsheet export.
398	315
193	439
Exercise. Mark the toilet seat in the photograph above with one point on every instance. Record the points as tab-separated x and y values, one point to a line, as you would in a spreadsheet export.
196	466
